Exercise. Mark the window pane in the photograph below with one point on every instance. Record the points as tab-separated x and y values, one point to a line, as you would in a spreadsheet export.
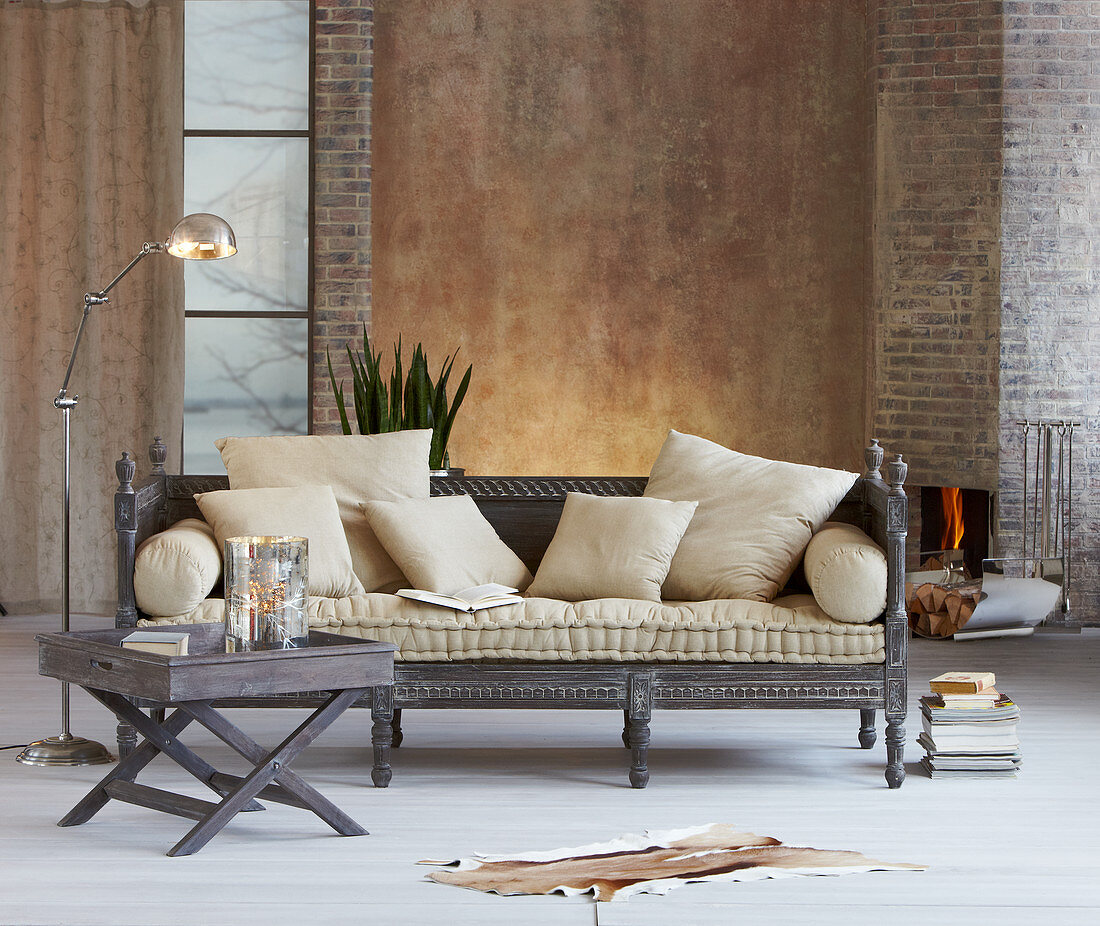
261	187
246	64
244	376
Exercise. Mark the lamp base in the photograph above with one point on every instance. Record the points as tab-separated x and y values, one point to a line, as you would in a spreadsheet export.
67	750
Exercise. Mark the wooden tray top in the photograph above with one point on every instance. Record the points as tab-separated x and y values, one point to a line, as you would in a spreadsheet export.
96	659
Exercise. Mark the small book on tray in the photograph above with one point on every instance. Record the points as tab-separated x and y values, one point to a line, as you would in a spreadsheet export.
165	644
470	600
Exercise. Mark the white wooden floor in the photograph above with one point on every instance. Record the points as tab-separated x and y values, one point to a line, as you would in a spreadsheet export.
1001	852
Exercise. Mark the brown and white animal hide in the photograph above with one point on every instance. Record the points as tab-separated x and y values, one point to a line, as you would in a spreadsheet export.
653	863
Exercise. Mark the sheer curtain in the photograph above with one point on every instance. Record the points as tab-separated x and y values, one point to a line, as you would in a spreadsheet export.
91	166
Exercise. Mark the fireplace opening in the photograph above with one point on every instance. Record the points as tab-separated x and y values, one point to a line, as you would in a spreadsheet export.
956	519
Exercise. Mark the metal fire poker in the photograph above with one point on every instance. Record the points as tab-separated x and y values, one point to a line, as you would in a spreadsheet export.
1048	504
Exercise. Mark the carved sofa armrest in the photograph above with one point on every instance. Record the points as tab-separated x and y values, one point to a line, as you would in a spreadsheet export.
887	507
140	508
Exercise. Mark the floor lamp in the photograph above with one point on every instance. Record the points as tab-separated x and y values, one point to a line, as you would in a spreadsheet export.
199	236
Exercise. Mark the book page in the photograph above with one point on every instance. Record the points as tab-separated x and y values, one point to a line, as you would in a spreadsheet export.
446	601
481	592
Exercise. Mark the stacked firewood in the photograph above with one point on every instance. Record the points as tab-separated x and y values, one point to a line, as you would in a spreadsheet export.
939	610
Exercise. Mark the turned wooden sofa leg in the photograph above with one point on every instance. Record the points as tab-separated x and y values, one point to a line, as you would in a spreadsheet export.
640	699
398	735
867	734
126	736
895	749
381	736
639	752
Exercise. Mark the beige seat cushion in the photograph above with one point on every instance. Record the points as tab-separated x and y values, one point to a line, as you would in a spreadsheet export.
359	468
790	630
754	519
177	568
301	511
445	544
846	571
611	548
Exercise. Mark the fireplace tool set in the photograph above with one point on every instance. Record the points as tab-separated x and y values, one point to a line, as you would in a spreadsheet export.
1020	592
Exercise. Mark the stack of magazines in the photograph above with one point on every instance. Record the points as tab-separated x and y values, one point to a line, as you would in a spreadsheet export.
969	728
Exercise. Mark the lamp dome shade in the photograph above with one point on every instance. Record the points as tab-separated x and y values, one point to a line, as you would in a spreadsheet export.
202	236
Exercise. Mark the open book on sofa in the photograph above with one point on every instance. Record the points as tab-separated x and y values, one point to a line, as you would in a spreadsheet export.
473	599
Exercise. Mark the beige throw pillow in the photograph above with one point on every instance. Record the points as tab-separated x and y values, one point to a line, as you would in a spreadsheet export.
301	511
382	467
445	544
846	571
755	517
611	548
177	568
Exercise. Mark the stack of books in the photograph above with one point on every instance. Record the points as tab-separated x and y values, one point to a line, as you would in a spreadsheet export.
969	728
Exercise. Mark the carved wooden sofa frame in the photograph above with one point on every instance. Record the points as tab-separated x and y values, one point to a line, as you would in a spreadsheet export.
525	511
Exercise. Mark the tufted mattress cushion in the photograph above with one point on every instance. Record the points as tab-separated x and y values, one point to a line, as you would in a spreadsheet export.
788	630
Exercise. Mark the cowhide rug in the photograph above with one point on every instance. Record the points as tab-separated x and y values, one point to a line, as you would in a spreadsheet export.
653	863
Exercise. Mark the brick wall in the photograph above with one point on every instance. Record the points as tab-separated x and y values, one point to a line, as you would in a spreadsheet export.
982	281
341	184
933	282
1050	279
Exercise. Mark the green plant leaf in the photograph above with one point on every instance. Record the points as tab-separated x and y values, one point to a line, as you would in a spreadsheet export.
460	394
438	453
417	391
338	392
378	399
397	391
360	389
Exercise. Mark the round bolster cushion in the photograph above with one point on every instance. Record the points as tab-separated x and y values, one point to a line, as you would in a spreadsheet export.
846	570
177	568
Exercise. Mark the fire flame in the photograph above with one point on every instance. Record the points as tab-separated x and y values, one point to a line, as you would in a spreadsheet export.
952	518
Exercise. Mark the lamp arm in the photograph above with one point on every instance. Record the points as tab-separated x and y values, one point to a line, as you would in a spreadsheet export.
98	298
146	249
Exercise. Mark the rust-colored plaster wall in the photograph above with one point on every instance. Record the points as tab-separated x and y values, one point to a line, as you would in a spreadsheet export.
632	216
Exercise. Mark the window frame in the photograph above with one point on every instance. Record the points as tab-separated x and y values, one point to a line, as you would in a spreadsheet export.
309	133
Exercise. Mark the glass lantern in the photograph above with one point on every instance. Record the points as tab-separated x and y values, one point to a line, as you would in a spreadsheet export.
266	593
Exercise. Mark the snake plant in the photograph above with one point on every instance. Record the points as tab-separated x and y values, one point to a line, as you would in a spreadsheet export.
407	401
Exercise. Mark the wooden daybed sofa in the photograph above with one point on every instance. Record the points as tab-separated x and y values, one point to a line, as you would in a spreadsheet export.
524	512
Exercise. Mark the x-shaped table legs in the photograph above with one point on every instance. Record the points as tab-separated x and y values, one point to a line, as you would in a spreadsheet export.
271	778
